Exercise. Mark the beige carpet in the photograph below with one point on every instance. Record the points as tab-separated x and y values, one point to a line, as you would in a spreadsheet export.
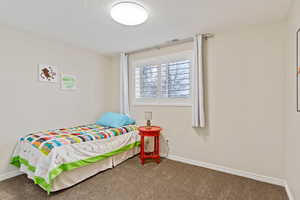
168	180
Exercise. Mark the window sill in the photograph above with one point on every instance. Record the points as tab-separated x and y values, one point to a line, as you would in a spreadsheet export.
163	104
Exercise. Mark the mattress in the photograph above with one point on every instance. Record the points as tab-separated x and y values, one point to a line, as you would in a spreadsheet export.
46	154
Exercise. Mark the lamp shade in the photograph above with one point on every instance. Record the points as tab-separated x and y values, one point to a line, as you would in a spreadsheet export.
148	115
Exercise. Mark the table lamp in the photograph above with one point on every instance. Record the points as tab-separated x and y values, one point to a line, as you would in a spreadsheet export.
148	117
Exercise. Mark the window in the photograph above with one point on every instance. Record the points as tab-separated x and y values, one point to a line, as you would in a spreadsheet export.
175	79
163	81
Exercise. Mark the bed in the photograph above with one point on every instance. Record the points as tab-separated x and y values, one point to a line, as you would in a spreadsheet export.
57	159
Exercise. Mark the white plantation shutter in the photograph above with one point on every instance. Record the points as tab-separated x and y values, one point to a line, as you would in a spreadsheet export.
147	81
165	80
175	79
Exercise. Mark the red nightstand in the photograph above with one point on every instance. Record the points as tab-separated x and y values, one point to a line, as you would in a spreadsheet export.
153	131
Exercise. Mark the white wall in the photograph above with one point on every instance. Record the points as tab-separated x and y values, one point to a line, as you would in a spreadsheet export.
244	105
244	86
292	117
28	105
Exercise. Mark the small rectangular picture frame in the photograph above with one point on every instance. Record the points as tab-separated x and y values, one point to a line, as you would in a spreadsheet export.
47	73
68	82
298	70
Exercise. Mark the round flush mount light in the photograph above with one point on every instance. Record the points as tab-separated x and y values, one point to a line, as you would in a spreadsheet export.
129	13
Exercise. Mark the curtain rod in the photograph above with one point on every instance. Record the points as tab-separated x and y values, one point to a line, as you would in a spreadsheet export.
170	43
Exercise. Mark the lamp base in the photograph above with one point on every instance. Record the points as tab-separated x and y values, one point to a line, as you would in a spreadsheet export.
148	124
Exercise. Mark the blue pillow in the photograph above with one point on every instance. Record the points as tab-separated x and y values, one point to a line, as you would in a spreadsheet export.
130	120
115	120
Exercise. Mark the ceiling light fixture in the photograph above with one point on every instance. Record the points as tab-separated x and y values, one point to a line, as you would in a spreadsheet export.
129	13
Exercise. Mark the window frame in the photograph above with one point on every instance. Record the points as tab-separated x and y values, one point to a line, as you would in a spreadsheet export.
158	60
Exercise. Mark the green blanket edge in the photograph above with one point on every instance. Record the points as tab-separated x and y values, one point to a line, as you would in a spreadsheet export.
17	161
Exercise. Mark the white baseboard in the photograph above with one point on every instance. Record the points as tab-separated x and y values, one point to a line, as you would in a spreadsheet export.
262	178
10	174
289	192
